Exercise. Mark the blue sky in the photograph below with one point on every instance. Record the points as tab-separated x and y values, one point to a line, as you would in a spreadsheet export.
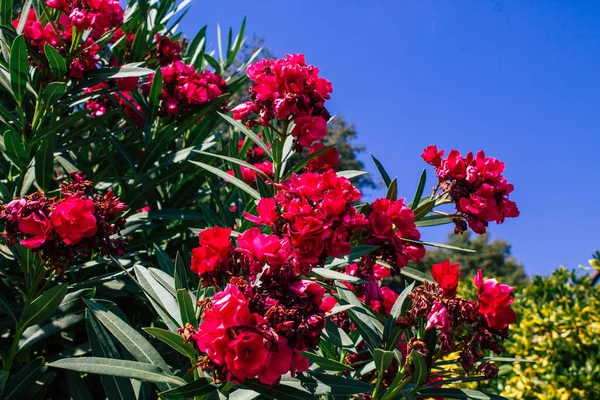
519	79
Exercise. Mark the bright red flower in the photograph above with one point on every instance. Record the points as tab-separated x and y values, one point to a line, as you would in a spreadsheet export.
246	356
74	219
432	156
216	238
494	302
262	249
476	186
37	227
288	89
446	275
389	223
309	129
267	212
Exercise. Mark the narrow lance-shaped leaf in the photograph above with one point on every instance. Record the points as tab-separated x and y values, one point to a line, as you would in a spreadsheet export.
135	343
230	179
58	65
44	164
173	340
386	178
186	307
420	188
123	368
253	136
116	388
19	68
43	306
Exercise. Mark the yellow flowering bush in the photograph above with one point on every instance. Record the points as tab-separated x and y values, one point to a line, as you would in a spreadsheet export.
559	331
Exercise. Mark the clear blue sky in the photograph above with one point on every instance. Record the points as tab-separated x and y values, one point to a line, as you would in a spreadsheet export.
519	79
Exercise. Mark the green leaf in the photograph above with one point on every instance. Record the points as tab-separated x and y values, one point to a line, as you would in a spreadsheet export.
383	359
230	179
164	261
186	308
180	273
174	340
335	335
420	189
53	92
124	71
237	44
386	178
253	136
420	373
392	190
135	343
43	306
22	384
24	11
57	325
3	379
458	394
116	388
154	96
441	246
7	310
433	220
44	164
326	363
152	289
263	188
58	65
19	68
391	332
351	174
77	388
198	387
325	384
423	209
336	276
369	328
6	12
416	274
280	391
14	149
235	161
122	368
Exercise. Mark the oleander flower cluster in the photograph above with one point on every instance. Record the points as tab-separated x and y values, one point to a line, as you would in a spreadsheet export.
184	88
75	17
259	330
62	230
288	90
476	185
314	216
465	326
275	282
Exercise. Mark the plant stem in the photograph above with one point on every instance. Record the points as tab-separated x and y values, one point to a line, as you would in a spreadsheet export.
393	393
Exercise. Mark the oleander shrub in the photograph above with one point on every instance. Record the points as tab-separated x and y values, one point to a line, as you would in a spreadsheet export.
162	241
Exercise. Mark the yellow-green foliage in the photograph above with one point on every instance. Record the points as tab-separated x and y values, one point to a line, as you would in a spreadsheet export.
559	330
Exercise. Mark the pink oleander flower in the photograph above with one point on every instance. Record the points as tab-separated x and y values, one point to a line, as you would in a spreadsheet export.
477	187
38	229
389	223
74	219
446	275
288	89
438	318
494	302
